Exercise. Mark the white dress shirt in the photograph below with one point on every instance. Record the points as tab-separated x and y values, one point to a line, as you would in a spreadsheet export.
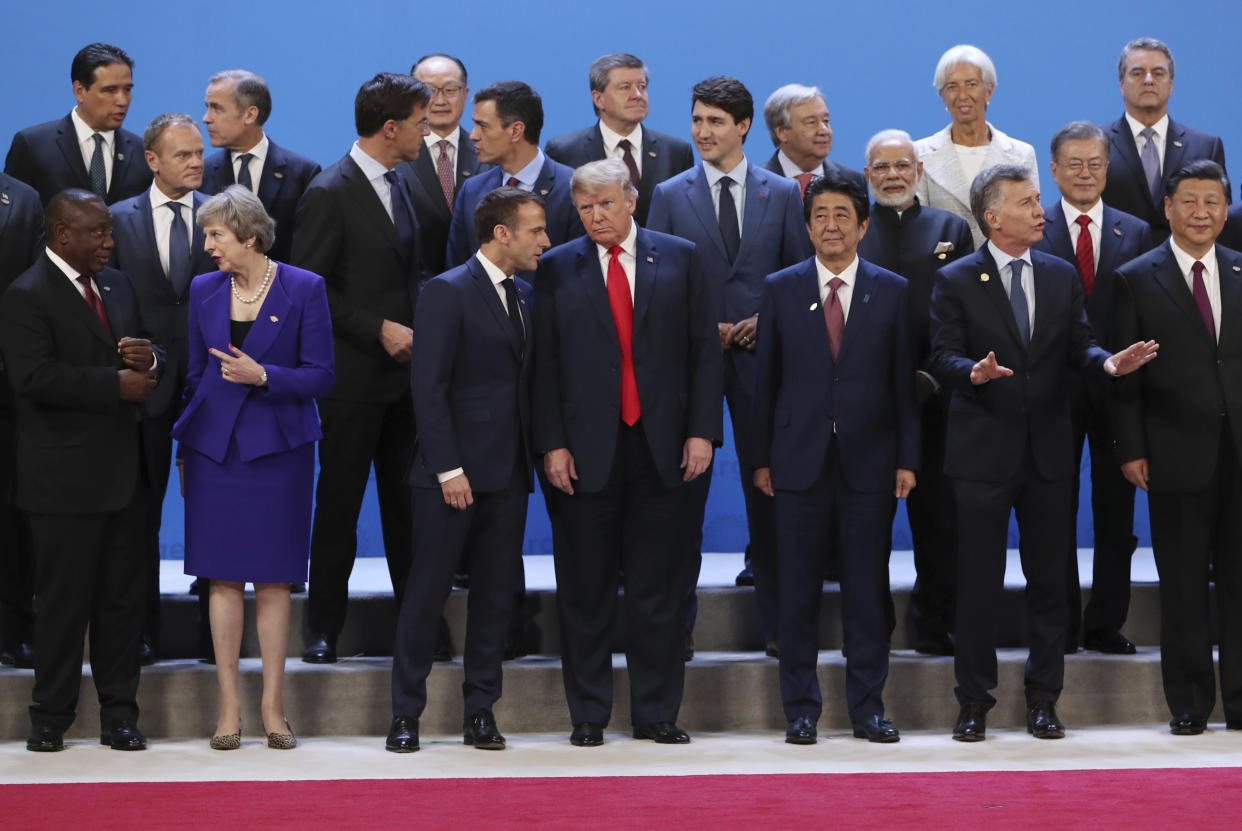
1096	215
613	138
259	156
528	175
73	274
1211	278
87	144
845	293
1028	277
1160	132
738	189
628	257
791	170
162	217
374	171
433	147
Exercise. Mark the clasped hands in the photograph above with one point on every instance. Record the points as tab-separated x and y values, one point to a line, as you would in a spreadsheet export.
740	334
138	378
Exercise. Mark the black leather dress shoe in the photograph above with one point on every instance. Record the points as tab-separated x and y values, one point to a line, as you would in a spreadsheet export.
481	731
321	649
745	577
123	736
1111	643
461	580
587	734
146	652
45	740
19	655
800	731
1233	724
402	735
877	729
972	722
662	732
1187	725
934	645
1042	721
771	648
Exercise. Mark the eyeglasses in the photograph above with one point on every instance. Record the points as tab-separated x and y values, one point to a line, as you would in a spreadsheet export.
1094	165
902	166
450	91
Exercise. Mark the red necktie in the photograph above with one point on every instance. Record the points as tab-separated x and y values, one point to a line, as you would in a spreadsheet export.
444	172
804	179
1085	252
1201	298
94	302
513	182
623	316
834	316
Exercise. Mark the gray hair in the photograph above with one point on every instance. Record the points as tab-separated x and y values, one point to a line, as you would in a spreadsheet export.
964	53
1151	45
239	210
155	130
1078	131
985	190
603	66
595	176
885	136
249	91
776	109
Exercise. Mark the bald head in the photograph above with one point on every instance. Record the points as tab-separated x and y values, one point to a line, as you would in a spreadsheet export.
79	230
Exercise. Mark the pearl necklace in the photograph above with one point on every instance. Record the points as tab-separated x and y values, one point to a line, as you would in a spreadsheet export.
267	277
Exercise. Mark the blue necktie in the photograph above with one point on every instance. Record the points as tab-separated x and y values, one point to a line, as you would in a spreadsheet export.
99	174
1017	299
401	215
178	250
728	219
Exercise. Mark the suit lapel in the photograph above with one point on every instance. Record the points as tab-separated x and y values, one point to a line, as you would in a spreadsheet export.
595	142
646	265
546	180
700	199
368	201
67	141
467	159
994	288
592	278
946	169
489	297
1230	266
1170	278
758	189
81	309
272	317
273	174
1048	301
1056	232
1174	152
1111	238
860	309
122	159
215	309
808	305
1123	140
200	263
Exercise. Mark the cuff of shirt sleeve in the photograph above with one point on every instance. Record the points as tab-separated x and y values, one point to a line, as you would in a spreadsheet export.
449	474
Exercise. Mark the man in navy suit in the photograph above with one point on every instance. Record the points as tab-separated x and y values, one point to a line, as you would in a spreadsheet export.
1179	430
619	96
913	240
508	117
449	159
837	437
626	410
86	149
21	244
1008	327
798	122
470	376
159	247
1080	168
1231	235
745	222
238	105
356	228
1146	147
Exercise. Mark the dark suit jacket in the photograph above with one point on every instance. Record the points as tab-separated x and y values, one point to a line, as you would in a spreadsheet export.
552	184
1122	238
1170	411
47	157
1231	235
663	157
163	306
577	402
865	397
915	245
21	244
434	214
470	380
990	424
285	178
774	164
77	441
290	338
344	234
1126	189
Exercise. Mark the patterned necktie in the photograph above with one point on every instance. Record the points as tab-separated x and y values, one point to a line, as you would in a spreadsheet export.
1151	163
95	303
515	311
178	249
623	316
1201	298
99	174
628	158
834	316
243	171
444	172
804	179
401	217
1085	253
728	219
1017	299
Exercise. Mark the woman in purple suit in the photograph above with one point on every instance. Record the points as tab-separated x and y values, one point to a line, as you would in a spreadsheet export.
260	354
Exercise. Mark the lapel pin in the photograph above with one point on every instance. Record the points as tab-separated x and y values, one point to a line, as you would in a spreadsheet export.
866	297
651	259
4	199
1237	268
120	157
983	278
465	173
762	194
543	191
107	288
814	306
279	174
1117	231
651	153
274	319
940	256
1177	144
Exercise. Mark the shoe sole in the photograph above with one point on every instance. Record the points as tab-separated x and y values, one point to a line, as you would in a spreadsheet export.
392	749
317	659
468	740
799	740
862	734
968	737
586	743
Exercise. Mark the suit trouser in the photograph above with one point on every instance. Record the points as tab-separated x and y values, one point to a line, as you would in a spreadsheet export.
1112	517
90	571
356	435
488	535
933	527
16	558
1043	509
861	523
1197	537
626	524
157	433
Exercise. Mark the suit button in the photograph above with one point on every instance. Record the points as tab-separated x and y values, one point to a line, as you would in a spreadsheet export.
835	379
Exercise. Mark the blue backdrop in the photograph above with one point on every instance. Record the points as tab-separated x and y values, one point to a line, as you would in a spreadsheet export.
873	61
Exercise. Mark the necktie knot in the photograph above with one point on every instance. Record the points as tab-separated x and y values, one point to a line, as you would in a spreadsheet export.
616	250
245	158
391	178
625	145
1083	221
1197	269
513	182
98	139
804	179
443	145
834	284
725	182
175	207
1147	133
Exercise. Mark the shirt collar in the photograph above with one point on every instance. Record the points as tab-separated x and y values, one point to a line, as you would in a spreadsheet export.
1096	213
1185	261
714	174
68	270
629	245
1161	127
370	167
790	169
431	140
493	271
529	174
1002	259
847	275
612	138
259	151
85	131
159	199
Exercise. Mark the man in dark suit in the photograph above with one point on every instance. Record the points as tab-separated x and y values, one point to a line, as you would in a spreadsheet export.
21	243
798	122
472	466
1146	147
1179	430
1231	235
1080	168
837	437
508	117
238	105
626	410
159	247
81	367
435	177
1007	329
745	222
913	240
356	228
86	149
619	97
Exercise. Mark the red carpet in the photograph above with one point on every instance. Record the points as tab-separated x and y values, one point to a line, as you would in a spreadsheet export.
1197	798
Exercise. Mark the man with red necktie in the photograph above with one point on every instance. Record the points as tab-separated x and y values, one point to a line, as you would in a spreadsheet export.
798	123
